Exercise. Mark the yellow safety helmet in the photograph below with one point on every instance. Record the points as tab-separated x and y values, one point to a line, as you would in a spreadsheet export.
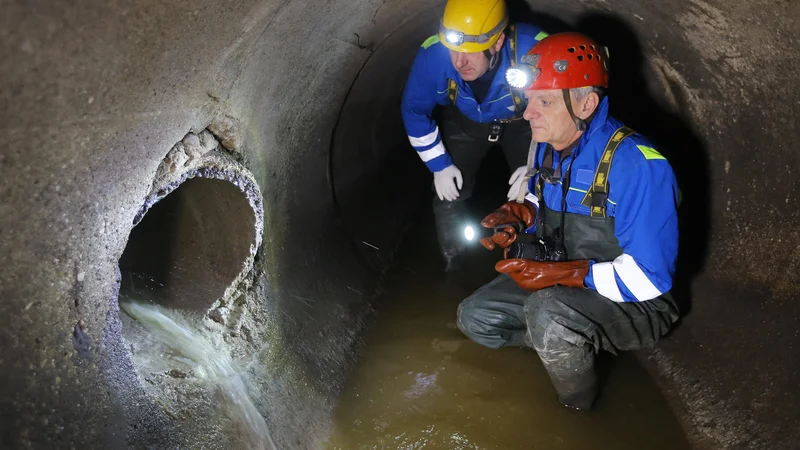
470	26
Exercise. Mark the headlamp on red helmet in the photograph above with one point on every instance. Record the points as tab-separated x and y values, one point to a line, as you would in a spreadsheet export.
561	61
522	75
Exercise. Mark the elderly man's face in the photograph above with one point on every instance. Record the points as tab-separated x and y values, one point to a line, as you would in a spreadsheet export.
550	120
472	66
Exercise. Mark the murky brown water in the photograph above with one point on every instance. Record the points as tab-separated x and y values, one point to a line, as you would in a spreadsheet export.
422	384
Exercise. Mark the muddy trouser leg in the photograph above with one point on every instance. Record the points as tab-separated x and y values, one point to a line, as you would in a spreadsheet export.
567	327
467	151
494	315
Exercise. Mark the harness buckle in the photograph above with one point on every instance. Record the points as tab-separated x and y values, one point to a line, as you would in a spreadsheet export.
496	129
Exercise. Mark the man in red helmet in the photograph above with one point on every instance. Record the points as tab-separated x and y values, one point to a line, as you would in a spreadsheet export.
593	268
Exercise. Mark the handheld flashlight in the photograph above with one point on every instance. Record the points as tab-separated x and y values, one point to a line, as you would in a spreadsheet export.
472	232
476	232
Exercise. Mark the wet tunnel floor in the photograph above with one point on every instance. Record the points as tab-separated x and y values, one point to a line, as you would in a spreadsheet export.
422	384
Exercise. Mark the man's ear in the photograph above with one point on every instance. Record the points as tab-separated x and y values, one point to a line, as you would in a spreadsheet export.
499	44
590	104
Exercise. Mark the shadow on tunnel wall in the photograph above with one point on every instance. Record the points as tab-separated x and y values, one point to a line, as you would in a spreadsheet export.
376	180
636	101
520	12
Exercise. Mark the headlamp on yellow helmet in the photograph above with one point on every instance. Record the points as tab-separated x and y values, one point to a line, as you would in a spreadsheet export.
458	38
472	25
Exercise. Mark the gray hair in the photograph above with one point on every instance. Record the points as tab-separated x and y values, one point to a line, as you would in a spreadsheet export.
580	93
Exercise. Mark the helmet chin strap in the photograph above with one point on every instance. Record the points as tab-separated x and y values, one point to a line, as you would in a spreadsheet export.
579	123
493	58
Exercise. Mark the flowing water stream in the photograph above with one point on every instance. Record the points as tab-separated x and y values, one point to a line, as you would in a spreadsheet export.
186	350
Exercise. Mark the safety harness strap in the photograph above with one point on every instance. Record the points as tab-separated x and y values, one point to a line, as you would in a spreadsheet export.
516	96
452	90
596	197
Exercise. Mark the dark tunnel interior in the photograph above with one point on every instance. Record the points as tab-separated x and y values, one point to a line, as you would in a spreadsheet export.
303	297
189	247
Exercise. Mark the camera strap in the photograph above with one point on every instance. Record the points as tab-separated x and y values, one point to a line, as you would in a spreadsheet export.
565	181
547	167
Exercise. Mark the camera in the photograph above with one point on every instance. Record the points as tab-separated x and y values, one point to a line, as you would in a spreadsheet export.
543	249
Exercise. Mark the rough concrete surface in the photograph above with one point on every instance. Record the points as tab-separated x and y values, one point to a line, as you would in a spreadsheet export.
95	95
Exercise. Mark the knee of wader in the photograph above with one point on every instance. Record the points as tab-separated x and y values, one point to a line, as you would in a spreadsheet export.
465	318
477	322
558	343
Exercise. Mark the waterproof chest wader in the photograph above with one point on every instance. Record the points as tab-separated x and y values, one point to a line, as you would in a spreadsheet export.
568	326
571	366
468	142
585	236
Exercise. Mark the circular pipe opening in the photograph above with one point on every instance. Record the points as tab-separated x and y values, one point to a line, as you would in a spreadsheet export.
188	252
189	247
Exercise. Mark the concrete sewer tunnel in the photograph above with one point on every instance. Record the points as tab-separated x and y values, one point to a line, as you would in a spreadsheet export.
259	145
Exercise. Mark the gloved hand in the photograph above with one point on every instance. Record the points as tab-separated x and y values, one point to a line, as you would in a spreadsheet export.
516	182
445	186
534	275
511	212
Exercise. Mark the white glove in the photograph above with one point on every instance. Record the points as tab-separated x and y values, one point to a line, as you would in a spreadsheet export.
445	186
516	182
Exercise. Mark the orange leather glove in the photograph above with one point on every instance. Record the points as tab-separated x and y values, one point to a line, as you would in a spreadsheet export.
510	212
534	275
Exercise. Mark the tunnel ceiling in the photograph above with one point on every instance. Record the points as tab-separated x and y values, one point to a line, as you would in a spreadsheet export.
95	95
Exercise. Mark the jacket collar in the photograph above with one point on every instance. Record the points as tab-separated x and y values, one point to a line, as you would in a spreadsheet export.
600	117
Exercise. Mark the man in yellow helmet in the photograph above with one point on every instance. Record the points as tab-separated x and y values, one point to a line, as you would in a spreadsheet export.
463	69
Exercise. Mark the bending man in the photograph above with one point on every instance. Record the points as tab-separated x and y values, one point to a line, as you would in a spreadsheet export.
463	68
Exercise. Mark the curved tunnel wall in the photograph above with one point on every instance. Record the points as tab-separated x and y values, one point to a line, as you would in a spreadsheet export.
95	94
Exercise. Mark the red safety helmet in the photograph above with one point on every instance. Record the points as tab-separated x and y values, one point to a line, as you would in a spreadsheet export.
561	61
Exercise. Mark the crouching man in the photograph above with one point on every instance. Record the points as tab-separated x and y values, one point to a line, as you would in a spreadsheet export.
593	267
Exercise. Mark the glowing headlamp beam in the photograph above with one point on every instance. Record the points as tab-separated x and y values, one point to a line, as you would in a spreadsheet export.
453	37
518	77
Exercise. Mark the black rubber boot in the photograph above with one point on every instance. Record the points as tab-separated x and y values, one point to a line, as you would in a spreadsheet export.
452	263
450	232
576	390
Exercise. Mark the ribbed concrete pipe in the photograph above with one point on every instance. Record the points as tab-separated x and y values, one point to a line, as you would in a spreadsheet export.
96	94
